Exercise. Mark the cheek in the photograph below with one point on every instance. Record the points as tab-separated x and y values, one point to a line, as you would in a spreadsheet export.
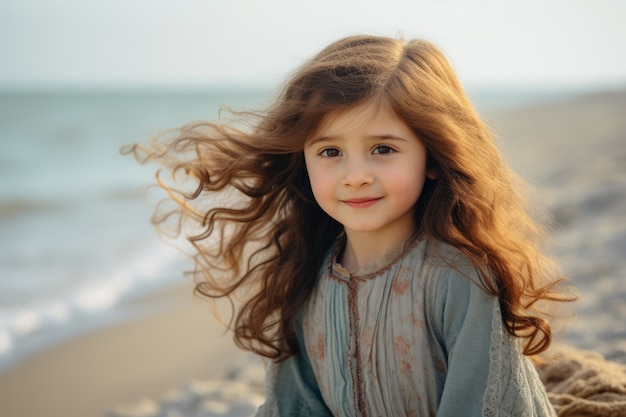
319	180
320	184
407	188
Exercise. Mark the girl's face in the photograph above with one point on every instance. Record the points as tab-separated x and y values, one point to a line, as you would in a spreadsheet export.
367	169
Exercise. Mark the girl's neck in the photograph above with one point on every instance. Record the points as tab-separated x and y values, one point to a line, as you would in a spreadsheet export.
364	250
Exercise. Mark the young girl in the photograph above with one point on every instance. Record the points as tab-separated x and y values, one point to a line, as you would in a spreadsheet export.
385	255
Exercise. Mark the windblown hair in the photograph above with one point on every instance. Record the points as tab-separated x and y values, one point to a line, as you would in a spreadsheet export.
269	238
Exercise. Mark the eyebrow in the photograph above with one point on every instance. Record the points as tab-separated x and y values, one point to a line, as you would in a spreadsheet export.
331	138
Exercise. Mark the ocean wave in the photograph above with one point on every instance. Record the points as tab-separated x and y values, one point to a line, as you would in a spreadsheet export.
28	206
24	205
37	323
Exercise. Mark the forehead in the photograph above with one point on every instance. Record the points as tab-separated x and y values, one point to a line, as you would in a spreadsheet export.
372	115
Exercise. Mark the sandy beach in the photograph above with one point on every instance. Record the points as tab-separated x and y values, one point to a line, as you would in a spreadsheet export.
123	364
573	152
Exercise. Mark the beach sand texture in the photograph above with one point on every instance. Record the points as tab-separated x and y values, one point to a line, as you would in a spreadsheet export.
574	153
180	362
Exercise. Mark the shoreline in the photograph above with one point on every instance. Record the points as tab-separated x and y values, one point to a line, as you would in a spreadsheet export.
89	375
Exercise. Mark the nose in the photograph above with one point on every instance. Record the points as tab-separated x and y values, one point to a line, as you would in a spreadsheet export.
357	173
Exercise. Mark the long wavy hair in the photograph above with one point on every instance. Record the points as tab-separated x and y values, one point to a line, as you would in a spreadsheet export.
258	231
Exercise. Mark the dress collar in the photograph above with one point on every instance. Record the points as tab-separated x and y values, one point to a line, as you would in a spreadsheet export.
377	268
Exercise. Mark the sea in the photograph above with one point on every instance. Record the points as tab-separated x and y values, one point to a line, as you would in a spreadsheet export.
76	243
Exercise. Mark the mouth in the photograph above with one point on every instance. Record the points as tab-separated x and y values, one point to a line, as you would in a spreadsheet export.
361	202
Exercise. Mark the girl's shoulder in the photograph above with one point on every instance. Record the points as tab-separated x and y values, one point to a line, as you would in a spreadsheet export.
450	272
454	295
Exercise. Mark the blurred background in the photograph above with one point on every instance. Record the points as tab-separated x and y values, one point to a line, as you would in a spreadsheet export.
79	79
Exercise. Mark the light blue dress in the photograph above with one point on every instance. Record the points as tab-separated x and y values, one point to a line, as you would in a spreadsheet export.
411	336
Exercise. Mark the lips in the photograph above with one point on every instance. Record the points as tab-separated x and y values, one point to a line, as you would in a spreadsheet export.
362	202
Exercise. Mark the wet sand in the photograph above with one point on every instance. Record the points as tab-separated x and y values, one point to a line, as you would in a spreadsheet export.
142	359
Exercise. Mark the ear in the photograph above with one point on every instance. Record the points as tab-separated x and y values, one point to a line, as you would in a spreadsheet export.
432	174
432	168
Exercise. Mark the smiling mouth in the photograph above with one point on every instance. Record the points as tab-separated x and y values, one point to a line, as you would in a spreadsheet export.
361	202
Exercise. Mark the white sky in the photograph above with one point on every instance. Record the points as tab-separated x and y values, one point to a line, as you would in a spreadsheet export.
173	43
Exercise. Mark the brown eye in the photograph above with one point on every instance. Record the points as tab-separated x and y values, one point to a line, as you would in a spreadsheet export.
330	152
383	149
